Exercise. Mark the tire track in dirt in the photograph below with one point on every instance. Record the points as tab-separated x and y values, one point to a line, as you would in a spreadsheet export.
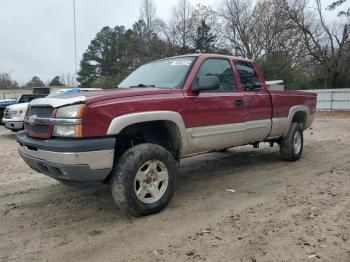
280	211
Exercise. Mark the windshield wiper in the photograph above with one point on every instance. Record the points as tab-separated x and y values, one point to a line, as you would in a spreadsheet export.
142	85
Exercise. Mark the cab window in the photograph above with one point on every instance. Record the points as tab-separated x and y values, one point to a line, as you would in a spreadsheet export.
249	78
222	69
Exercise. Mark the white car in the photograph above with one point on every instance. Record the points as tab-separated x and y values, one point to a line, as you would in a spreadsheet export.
14	114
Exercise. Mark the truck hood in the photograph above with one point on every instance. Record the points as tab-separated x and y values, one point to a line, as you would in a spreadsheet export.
21	106
93	97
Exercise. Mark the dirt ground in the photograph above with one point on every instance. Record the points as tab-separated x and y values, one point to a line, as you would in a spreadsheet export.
280	211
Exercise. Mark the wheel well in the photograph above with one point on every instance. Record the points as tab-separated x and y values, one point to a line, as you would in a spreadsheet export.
300	117
163	133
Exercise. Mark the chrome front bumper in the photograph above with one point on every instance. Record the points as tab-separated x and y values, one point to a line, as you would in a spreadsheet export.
13	125
71	161
95	159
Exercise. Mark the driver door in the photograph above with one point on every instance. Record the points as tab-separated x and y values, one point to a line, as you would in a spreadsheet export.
216	119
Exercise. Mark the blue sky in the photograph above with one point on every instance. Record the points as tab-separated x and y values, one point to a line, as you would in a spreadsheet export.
36	37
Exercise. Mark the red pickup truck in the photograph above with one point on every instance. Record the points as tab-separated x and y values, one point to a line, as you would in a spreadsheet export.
133	137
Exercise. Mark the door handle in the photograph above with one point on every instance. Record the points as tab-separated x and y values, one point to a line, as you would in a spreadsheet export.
239	103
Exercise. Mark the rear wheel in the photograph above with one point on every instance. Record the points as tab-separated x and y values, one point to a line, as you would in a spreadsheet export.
144	179
291	146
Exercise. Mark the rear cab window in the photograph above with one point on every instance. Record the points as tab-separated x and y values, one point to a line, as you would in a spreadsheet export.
249	78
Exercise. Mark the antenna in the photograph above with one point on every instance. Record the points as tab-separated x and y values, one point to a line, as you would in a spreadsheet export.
75	44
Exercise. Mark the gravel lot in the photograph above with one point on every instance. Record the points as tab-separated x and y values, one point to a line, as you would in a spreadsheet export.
280	211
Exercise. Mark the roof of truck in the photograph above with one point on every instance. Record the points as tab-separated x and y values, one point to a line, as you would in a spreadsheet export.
206	55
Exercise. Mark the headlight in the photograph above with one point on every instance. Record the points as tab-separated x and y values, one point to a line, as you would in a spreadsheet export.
59	130
16	113
68	131
74	112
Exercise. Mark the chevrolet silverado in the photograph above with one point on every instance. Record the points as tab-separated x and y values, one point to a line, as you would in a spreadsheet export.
133	137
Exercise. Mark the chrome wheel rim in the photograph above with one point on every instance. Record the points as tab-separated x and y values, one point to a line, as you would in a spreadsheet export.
297	142
151	181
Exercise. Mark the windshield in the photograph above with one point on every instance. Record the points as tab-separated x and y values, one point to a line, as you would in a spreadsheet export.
168	73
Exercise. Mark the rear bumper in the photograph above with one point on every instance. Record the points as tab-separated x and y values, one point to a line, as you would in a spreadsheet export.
87	161
13	125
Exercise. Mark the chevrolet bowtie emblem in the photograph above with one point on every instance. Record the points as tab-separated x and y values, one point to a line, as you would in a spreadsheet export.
31	120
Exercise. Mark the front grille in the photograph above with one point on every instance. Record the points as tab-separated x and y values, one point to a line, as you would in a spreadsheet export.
39	111
37	129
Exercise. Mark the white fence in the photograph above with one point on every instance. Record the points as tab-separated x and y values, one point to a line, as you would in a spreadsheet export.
332	99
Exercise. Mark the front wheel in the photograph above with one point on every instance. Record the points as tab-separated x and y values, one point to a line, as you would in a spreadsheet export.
144	179
291	146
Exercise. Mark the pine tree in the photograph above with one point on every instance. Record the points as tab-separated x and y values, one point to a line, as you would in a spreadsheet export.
35	82
56	82
204	41
115	52
100	58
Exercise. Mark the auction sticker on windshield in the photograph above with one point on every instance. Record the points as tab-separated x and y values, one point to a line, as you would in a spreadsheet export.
181	63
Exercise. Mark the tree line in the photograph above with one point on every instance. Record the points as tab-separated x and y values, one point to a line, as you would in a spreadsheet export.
293	40
6	81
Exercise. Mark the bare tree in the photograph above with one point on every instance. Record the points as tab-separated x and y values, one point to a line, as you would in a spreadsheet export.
69	79
326	44
337	3
6	81
164	32
182	25
148	13
207	14
206	25
62	79
277	34
265	33
239	29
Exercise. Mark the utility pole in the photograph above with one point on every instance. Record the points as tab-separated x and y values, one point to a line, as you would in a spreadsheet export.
75	43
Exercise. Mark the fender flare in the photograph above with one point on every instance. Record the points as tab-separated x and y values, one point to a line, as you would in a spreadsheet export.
292	112
121	122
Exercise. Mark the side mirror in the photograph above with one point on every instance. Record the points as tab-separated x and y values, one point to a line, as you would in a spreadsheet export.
206	83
